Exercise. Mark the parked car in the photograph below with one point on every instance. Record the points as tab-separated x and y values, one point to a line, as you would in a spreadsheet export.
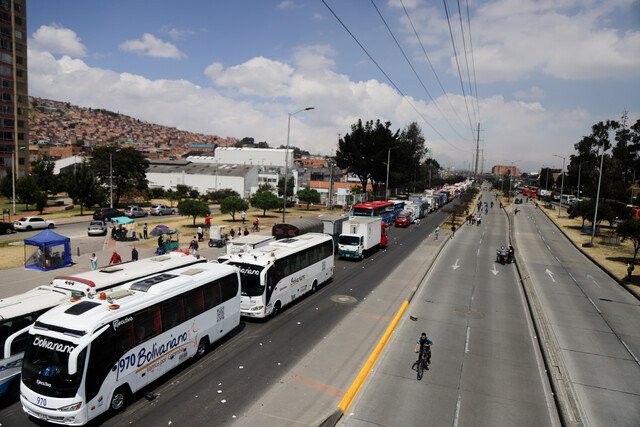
6	228
106	214
29	223
135	212
161	210
403	219
97	228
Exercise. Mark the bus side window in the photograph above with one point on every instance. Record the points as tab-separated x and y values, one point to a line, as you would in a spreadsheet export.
192	303
146	324
172	314
229	287
211	295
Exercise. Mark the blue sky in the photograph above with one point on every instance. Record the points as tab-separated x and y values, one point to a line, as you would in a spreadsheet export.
545	70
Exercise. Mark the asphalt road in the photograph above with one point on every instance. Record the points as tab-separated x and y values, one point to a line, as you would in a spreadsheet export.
486	369
247	363
594	321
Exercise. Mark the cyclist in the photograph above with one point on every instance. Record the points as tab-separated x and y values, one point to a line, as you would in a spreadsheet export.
424	345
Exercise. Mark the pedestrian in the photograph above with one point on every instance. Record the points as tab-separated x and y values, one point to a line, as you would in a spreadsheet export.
437	232
160	241
239	231
479	221
193	246
200	234
207	220
93	261
453	230
630	268
246	231
115	258
145	229
243	215
134	253
232	233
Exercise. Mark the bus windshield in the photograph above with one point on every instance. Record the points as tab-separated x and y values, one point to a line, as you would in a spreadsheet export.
250	279
362	212
45	367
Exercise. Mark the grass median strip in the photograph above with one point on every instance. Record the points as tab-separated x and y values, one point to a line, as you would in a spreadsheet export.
366	368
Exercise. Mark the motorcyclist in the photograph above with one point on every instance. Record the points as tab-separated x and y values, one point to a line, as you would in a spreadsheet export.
511	254
502	255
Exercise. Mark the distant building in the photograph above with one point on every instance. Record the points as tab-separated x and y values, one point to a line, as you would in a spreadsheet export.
254	156
503	170
14	99
204	177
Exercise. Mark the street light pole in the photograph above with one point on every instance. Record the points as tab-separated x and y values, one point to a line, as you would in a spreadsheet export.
511	178
386	189
579	172
286	161
13	181
595	212
562	183
111	180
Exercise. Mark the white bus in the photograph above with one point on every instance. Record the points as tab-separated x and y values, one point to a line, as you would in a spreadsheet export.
276	274
17	313
86	357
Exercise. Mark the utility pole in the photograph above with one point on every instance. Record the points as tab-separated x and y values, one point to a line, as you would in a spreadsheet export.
475	170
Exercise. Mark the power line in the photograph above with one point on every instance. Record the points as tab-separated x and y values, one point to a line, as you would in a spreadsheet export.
473	60
429	61
414	70
387	76
455	54
466	59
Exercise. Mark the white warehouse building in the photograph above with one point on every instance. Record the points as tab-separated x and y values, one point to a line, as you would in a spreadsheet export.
204	177
266	157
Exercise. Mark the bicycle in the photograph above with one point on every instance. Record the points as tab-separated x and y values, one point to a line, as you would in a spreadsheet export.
422	363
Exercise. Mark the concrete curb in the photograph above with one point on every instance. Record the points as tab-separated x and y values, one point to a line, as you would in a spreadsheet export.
591	258
563	393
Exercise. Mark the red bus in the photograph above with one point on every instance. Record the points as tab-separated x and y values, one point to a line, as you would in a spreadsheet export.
383	209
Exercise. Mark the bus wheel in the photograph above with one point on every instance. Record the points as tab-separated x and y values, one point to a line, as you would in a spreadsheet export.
314	287
120	399
276	308
202	347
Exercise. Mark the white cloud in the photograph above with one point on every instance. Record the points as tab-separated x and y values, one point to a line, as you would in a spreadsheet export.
150	45
287	4
58	40
259	76
532	93
514	39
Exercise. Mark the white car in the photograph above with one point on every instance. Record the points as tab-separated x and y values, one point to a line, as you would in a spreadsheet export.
29	223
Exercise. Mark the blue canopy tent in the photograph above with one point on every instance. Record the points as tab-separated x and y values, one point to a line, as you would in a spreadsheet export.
51	251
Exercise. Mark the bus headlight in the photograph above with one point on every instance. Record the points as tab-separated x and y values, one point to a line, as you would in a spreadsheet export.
72	407
257	308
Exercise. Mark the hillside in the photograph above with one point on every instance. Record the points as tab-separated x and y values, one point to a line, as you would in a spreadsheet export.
64	125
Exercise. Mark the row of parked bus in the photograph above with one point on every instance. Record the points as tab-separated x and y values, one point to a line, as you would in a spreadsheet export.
84	344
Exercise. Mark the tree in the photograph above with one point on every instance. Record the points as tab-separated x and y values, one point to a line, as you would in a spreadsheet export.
26	190
630	229
290	185
42	172
308	196
219	195
83	186
41	201
129	169
193	193
233	204
172	195
363	151
406	171
6	185
182	191
193	208
265	200
156	192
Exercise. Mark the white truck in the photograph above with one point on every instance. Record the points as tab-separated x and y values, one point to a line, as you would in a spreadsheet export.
360	236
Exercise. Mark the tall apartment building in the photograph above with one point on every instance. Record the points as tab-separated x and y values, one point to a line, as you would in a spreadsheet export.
14	98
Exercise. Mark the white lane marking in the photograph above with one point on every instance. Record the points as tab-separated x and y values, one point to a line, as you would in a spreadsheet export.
548	247
456	266
573	278
478	253
480	241
594	304
630	352
455	418
494	271
557	259
466	343
543	239
547	271
593	280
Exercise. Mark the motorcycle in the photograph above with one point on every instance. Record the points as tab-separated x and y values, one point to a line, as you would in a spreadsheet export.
502	256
